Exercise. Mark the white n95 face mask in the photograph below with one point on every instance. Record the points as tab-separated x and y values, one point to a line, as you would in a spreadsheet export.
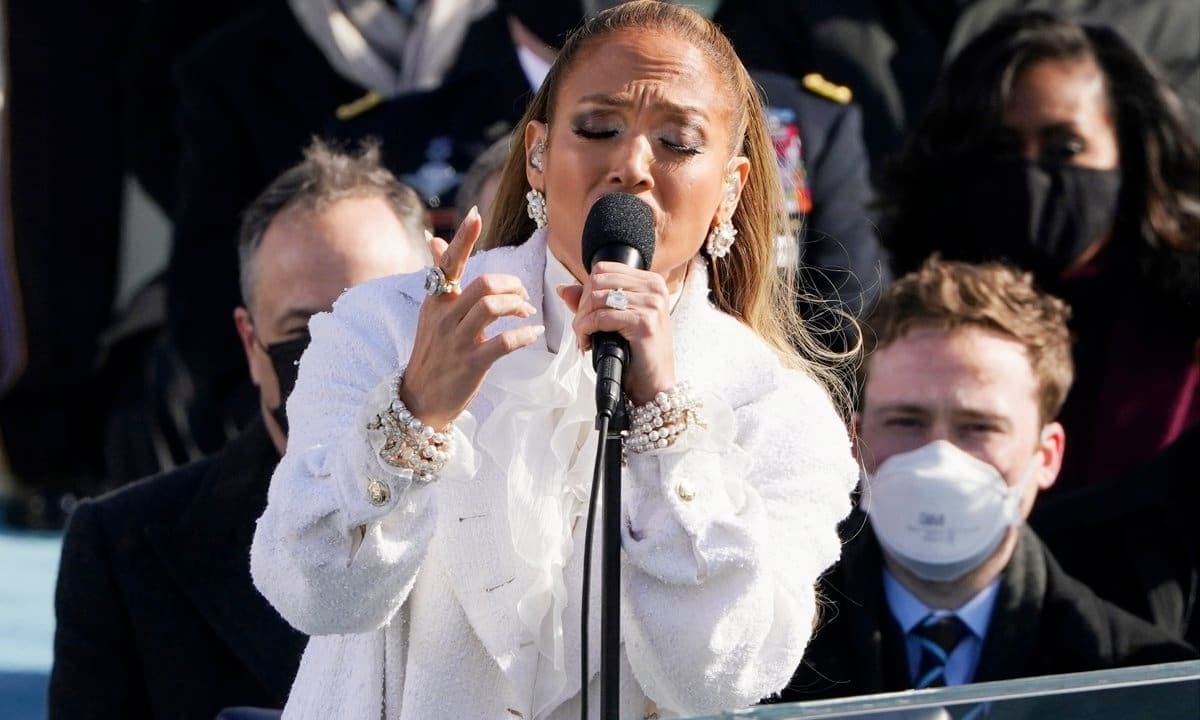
941	512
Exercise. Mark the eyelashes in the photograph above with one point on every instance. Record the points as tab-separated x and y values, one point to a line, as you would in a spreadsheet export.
594	134
679	148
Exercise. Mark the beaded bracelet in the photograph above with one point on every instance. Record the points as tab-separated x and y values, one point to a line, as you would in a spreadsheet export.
656	424
410	444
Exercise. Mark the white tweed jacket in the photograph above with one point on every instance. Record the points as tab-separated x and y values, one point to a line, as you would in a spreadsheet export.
410	604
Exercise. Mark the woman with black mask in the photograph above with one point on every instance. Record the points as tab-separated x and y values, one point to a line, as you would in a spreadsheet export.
1057	147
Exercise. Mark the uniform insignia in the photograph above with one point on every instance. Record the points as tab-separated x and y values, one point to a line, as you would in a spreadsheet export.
354	108
797	195
818	85
789	151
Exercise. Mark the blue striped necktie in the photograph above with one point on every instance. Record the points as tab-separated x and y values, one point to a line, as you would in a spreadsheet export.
938	636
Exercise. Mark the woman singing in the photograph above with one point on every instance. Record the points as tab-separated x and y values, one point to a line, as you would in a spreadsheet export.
426	524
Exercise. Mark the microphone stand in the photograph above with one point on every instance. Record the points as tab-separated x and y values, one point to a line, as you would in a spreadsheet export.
610	583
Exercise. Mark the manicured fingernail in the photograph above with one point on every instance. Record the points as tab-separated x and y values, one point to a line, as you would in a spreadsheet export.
473	212
538	330
428	236
530	309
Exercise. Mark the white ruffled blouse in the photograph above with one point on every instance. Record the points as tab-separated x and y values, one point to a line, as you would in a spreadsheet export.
461	597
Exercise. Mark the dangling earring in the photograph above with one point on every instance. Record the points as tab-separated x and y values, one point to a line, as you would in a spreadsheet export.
720	239
535	200
536	207
721	236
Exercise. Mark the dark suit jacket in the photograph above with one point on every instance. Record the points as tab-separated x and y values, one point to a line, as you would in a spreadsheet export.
889	52
250	97
157	614
1044	623
1136	541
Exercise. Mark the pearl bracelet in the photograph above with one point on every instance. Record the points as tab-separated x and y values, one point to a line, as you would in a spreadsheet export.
410	444
656	424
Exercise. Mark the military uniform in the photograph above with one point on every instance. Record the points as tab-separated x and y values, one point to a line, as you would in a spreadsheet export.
842	259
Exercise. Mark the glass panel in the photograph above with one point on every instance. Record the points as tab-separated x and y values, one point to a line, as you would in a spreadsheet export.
1162	692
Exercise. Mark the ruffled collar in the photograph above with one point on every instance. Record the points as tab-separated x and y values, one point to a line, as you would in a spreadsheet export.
540	433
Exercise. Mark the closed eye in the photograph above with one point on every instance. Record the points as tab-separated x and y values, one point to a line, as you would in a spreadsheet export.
595	134
681	149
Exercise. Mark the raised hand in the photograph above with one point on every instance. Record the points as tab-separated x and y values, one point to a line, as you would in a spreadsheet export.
645	323
451	352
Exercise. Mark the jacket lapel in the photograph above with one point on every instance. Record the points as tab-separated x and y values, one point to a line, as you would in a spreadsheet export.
880	663
473	541
207	553
1014	627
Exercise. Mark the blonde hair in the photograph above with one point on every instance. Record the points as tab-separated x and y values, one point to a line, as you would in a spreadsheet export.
745	283
994	296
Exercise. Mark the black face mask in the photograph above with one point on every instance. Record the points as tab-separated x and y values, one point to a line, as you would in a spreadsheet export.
1041	216
285	359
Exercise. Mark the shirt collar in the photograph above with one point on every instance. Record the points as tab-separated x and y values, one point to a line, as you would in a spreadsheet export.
535	68
976	613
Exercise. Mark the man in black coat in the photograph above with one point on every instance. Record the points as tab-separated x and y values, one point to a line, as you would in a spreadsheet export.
945	585
890	52
156	613
1044	622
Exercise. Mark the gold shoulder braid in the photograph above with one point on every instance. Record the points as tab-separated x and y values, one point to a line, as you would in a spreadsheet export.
818	85
354	108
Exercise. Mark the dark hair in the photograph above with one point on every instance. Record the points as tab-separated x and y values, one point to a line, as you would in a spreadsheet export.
1159	205
994	296
324	177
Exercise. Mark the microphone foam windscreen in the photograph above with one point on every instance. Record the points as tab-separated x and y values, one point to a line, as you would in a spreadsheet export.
619	219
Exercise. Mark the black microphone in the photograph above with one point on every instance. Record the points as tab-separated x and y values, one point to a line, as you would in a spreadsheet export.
619	228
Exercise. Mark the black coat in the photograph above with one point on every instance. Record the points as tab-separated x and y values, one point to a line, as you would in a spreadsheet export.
1044	623
890	52
1136	541
251	95
156	613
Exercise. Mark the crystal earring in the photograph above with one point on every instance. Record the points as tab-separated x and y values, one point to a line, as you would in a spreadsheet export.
536	207
720	239
721	236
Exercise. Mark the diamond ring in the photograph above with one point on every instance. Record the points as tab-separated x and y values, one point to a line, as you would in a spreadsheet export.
617	299
436	282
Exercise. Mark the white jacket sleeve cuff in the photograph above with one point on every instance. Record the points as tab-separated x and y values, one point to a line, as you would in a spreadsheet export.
371	488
